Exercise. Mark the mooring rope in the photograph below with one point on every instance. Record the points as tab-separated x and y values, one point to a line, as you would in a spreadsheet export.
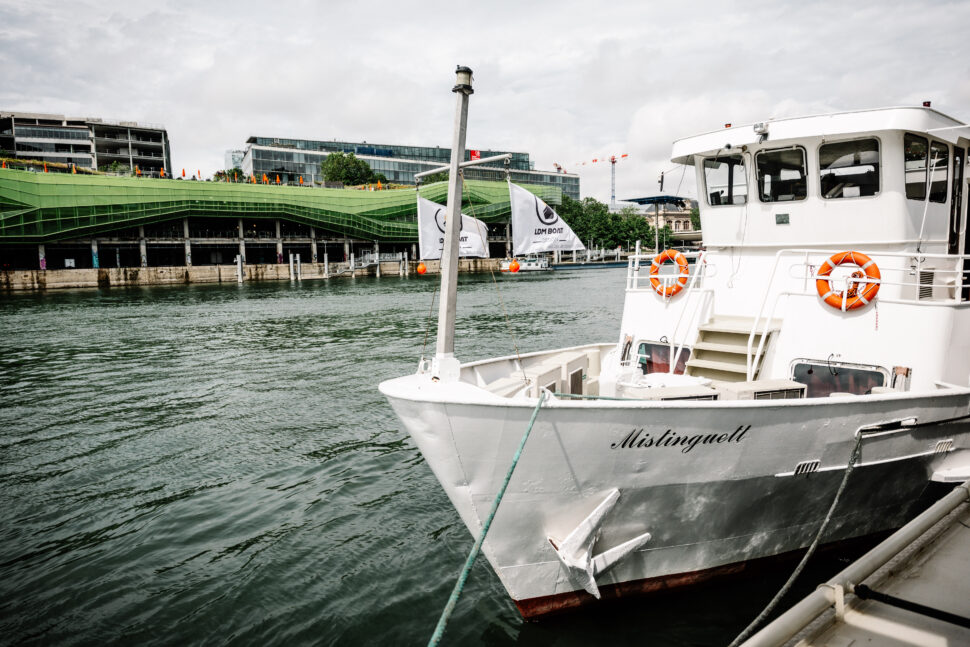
744	635
460	584
427	328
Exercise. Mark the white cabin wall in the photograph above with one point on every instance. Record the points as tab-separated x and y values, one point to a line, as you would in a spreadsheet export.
886	335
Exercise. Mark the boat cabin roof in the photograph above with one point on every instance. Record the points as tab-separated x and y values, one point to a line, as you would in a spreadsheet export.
913	118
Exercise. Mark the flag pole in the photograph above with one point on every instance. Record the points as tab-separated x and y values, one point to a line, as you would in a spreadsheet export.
445	366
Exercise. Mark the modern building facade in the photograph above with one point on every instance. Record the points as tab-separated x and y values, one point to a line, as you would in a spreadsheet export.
85	142
292	159
233	159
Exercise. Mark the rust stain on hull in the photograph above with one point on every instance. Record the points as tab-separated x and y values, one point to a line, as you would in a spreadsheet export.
536	608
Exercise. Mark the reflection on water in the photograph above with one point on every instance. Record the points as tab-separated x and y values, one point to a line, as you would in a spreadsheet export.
215	464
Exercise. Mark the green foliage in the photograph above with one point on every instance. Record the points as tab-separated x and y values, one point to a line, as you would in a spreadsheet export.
234	174
695	219
435	177
592	221
346	168
115	167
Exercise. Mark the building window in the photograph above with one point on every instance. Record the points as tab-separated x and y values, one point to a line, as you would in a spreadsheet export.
726	180
849	169
914	155
939	165
781	175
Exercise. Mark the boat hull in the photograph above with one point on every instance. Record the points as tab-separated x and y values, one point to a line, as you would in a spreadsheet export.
714	483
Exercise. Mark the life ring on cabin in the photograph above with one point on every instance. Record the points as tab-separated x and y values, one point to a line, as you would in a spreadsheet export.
669	290
857	293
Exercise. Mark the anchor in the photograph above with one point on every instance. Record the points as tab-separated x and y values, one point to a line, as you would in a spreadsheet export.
576	552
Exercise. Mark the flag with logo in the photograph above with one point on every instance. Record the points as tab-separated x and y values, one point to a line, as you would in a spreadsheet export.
472	239
536	227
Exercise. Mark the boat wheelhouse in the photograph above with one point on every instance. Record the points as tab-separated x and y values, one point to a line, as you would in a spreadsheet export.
824	330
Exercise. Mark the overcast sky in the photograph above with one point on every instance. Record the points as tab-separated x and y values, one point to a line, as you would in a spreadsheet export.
564	81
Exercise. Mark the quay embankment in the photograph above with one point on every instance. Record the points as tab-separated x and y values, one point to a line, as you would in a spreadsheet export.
38	280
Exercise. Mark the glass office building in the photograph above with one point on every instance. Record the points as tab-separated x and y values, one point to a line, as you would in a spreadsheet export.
291	159
85	142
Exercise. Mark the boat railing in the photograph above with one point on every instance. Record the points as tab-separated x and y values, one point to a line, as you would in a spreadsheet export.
637	262
916	276
698	269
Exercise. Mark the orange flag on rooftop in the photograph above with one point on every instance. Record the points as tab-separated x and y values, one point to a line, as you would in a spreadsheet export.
301	180
45	167
265	179
73	169
183	171
378	185
137	171
4	163
277	179
200	173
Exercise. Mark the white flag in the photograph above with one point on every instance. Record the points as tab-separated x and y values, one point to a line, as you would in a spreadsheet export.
472	239
536	227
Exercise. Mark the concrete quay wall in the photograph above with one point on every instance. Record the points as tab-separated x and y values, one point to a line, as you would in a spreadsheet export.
34	280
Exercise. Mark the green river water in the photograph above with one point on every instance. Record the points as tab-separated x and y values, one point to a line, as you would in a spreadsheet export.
214	464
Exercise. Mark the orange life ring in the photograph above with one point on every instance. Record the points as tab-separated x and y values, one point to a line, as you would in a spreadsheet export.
670	290
854	296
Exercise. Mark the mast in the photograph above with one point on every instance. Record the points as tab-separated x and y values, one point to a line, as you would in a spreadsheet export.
445	366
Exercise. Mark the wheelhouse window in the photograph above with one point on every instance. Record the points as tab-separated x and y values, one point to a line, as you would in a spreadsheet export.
727	182
939	164
781	175
655	358
914	155
849	169
822	379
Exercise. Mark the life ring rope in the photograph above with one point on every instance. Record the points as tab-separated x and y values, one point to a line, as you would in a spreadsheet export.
659	286
852	297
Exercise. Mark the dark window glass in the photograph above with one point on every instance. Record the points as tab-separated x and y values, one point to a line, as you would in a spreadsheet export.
655	358
781	175
823	379
939	164
849	169
727	182
914	155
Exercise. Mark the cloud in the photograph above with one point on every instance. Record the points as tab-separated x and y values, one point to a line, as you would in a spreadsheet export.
564	81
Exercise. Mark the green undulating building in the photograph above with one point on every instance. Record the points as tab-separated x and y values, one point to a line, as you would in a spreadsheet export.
57	220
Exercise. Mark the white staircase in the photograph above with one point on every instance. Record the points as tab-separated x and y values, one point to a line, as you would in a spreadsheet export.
721	350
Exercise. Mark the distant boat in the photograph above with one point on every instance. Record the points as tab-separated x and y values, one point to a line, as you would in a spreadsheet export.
527	264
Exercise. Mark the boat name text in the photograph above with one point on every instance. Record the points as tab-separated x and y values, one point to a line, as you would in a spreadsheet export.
545	231
637	439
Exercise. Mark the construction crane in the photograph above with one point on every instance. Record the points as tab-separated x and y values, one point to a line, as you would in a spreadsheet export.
612	159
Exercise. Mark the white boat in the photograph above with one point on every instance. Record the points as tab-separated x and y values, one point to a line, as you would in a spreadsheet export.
526	264
644	474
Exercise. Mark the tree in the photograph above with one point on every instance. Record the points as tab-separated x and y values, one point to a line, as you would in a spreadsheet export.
591	220
116	167
436	177
346	168
234	174
695	219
